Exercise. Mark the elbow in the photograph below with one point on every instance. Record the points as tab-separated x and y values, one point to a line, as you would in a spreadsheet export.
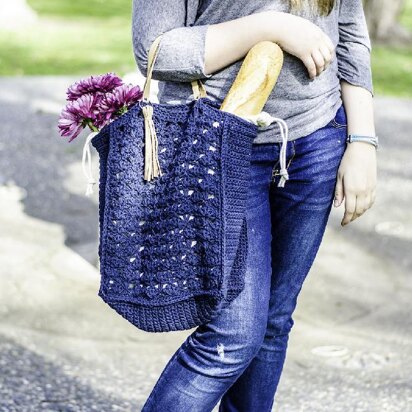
180	56
141	44
141	64
354	65
165	73
357	73
141	52
141	47
157	74
141	56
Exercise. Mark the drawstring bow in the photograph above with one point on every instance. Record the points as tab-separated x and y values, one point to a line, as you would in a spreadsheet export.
264	119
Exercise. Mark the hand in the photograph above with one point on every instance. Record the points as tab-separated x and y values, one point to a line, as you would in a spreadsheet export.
305	40
356	180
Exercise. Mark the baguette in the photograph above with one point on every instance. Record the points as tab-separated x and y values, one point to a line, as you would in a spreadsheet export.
255	81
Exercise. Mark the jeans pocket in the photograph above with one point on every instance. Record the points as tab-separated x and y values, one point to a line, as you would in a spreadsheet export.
339	120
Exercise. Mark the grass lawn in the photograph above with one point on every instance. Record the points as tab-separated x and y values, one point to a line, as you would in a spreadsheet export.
102	9
392	67
80	45
72	37
91	37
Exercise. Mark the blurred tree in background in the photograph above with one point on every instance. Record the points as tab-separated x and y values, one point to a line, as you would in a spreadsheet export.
383	17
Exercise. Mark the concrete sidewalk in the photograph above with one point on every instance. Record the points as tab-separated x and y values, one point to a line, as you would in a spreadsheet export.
63	349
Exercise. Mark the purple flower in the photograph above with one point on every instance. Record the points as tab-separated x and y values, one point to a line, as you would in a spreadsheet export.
78	114
128	94
95	102
69	124
117	102
100	84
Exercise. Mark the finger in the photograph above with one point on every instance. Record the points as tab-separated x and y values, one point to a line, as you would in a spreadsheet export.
310	65
338	192
373	196
319	60
350	205
354	216
327	55
368	201
329	43
359	207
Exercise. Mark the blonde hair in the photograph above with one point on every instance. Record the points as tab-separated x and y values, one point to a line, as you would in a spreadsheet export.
320	7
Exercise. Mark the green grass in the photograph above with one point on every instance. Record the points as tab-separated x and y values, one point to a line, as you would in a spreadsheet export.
392	71
406	16
72	37
78	37
80	8
392	67
61	46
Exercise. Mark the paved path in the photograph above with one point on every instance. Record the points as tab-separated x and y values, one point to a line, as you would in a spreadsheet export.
63	349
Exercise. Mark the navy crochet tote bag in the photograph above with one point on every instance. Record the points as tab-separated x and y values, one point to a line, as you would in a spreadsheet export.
172	200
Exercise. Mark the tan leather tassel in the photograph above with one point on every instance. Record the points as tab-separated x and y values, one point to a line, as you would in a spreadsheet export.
152	165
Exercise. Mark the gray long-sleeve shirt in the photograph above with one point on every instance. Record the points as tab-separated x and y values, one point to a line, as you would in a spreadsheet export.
304	104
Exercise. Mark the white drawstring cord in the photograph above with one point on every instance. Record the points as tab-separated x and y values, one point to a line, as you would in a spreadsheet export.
264	119
87	157
282	155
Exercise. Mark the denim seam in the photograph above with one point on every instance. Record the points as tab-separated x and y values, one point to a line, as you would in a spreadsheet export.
337	125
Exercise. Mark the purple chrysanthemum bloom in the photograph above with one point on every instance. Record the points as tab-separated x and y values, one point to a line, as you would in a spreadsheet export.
100	84
128	94
118	102
69	124
78	114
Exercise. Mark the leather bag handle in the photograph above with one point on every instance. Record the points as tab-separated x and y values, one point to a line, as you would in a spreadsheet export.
197	86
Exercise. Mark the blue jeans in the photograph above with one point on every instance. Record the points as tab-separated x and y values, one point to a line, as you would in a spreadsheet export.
238	357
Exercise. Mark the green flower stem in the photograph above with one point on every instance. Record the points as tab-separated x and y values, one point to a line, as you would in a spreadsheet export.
93	128
122	110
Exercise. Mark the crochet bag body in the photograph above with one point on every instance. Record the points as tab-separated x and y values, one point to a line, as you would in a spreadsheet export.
172	201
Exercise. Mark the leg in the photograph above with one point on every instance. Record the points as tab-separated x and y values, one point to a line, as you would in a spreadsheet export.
215	354
299	214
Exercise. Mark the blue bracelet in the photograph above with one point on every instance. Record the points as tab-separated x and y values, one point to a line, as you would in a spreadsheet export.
359	138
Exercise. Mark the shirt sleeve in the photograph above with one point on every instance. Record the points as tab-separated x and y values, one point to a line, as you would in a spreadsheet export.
353	51
182	47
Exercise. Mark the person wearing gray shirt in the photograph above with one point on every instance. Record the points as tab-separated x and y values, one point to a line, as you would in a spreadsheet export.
304	104
238	356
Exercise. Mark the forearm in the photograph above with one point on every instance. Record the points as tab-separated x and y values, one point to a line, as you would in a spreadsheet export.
357	173
230	41
358	103
183	48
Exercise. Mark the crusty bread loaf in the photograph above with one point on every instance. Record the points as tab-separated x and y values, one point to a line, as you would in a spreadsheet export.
255	81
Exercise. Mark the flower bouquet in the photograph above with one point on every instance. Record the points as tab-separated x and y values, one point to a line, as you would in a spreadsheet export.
95	102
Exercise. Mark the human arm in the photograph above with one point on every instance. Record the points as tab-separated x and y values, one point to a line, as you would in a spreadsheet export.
353	50
181	53
357	174
229	41
189	52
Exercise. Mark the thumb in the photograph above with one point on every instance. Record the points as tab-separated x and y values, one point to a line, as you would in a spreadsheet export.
338	192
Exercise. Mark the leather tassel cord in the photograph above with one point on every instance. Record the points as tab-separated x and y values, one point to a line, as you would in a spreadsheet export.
152	165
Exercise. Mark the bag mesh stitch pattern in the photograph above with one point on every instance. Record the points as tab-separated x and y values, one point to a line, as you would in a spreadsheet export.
173	249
